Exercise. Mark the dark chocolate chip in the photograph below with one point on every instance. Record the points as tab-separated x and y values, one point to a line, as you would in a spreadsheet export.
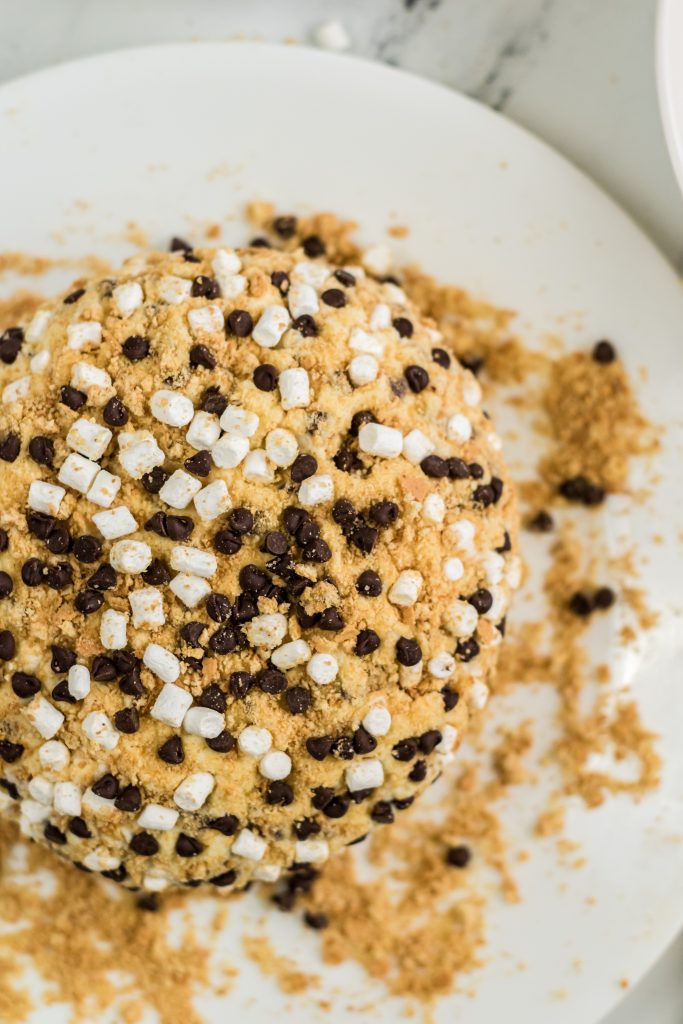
144	844
434	466
115	413
59	576
33	572
171	751
405	750
241	324
441	356
404	328
313	246
6	585
224	640
319	746
88	601
58	540
42	450
408	652
201	355
127	720
418	773
213	697
279	792
382	813
223	743
384	513
285	226
8	645
481	600
154	480
53	834
369	584
303	467
306	326
129	800
417	378
227	824
363	741
343	748
87	548
542	522
240	684
581	604
345	278
298	700
200	463
205	287
71	397
213	401
79	828
10	447
156	573
10	752
604	597
604	352
367	642
103	669
74	296
334	297
179	245
280	280
135	347
106	787
428	740
458	856
466	650
188	846
265	377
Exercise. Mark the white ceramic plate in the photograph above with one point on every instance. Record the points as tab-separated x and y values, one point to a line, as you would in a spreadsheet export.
669	62
178	136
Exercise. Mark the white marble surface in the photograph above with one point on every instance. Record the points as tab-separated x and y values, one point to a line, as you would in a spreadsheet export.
579	73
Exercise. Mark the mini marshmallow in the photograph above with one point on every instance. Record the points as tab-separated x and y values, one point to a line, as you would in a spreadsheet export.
98	728
43	497
171	705
377	721
78	682
206	320
272	324
332	35
171	408
204	722
127	298
147	607
131	556
295	392
316	489
449	735
239	422
434	508
471	391
162	662
104	488
232	285
302	300
498	606
493	567
85	376
406	588
462	619
44	717
376	439
204	430
275	765
86	332
212	501
249	845
179	489
311	851
441	666
155	881
189	589
478	695
458	428
361	341
266	872
141	456
115	522
453	569
363	370
113	626
226	261
417	446
95	804
40	361
158	818
462	534
229	451
378	260
174	290
53	755
36	329
393	293
314	274
254	741
67	799
226	266
289	655
193	560
33	812
78	473
322	669
194	791
257	469
266	631
41	789
380	318
281	447
514	571
364	775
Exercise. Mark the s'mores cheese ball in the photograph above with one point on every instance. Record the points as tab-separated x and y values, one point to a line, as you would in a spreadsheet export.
257	545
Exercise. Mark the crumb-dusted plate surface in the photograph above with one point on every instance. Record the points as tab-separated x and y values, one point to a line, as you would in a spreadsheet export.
172	138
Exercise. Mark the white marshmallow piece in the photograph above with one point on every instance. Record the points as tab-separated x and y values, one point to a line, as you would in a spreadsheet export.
363	370
441	666
44	717
449	736
174	290
158	818
41	789
179	490
113	630
478	695
132	556
332	35
193	560
380	318
86	332
54	755
266	872
295	392
462	619
147	608
44	497
289	655
189	589
194	791
249	845
171	408
378	260
462	535
36	329
364	775
302	300
239	422
171	705
127	298
257	469
271	325
98	728
85	376
204	430
453	569
316	490
458	428
78	472
67	799
254	741
322	669
361	341
115	522
281	447
141	455
311	851
88	438
104	488
206	320
40	361
377	721
471	391
376	439
434	508
417	446
314	274
204	722
275	765
493	567
162	662
212	501
266	631
406	588
78	682
229	451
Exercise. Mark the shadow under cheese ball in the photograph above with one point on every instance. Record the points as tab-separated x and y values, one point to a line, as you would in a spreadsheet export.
265	541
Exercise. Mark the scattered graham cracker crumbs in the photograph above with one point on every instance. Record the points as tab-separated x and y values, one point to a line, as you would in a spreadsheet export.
26	265
213	231
508	755
398	231
136	236
17	307
288	976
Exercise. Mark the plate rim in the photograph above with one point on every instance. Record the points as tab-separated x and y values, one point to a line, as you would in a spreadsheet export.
669	15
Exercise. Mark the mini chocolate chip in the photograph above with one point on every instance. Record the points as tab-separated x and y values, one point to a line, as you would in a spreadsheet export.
191	632
428	740
331	620
363	741
61	693
265	377
334	297
458	856
306	326
40	524
457	468
4	539
71	397
103	578
156	573
271	681
144	844
241	520
404	804
285	226
87	548
154	480
484	495
405	329
223	743
384	513
33	571
188	846
337	807
88	601
579	488
317	921
8	645
298	700
179	245
11	341
79	828
224	640
179	527
127	720
441	356
213	401
254	579
10	447
115	413
343	748
319	746
227	542
275	543
434	466
240	684
542	522
59	576
497	486
408	652
135	347
303	467
227	824
131	684
405	750
53	834
369	584
129	800
280	280
42	450
416	377
9	788
317	551
604	597
279	793
466	650
62	658
345	278
382	813
306	828
418	773
58	540
244	609
74	296
359	419
581	604
218	607
213	697
604	352
367	642
10	752
103	669
481	600
171	751
260	243
364	538
106	787
240	323
205	287
6	585
475	470
313	246
201	355
200	463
